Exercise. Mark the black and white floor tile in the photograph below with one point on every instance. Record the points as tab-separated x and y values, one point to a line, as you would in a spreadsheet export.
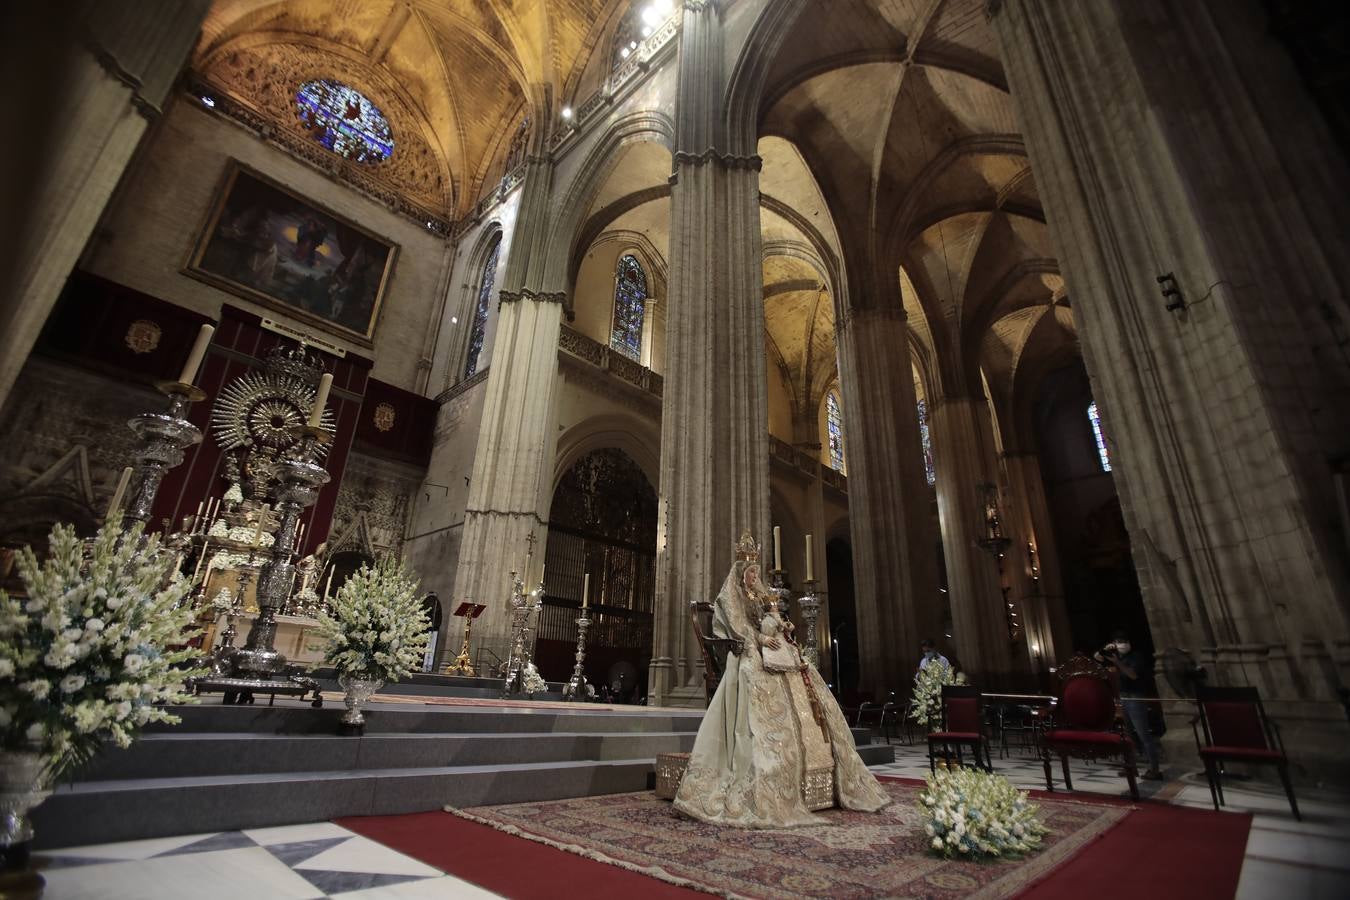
294	862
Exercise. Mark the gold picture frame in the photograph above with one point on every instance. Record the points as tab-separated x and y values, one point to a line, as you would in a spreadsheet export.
266	243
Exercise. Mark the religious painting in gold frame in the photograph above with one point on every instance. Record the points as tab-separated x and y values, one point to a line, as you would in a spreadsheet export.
268	244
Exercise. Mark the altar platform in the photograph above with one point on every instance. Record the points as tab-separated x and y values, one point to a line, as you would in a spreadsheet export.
238	767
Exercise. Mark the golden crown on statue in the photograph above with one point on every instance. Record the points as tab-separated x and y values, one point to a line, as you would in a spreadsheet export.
747	548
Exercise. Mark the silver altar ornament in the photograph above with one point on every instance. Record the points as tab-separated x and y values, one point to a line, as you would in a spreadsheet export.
164	436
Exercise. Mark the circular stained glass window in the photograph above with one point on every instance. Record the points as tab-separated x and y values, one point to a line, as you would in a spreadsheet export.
344	121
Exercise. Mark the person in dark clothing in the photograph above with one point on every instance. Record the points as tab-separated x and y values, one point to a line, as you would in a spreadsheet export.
1133	669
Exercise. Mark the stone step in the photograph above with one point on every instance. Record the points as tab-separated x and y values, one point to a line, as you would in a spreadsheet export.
185	754
132	809
298	717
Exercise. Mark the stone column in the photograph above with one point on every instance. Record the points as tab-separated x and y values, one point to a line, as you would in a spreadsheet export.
1223	411
962	463
510	489
714	420
894	564
1047	624
86	79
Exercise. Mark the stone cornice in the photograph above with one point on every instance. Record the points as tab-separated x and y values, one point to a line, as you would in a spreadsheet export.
559	297
455	390
113	67
712	154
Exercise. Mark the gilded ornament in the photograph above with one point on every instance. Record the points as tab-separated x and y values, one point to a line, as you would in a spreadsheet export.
384	417
142	336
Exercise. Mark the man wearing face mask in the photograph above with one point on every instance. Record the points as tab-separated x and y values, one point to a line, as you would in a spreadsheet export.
930	654
1133	688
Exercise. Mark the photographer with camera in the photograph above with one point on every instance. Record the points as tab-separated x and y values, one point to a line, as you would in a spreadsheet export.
1133	689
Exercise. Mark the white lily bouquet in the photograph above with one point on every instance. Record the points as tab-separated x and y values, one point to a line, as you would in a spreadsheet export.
88	655
972	813
375	627
927	697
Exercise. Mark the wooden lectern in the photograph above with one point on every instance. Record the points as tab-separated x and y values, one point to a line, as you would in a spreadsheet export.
462	665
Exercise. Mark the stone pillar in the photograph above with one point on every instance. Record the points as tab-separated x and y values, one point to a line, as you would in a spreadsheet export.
85	79
962	463
1049	637
1224	411
894	564
509	491
714	420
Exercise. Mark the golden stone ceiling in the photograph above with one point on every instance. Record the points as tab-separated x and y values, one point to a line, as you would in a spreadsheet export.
454	77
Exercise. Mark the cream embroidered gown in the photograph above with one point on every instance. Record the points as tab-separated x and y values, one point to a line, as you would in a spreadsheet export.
774	744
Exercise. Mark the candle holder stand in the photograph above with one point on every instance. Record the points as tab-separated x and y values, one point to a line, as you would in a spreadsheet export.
809	604
577	688
258	667
164	436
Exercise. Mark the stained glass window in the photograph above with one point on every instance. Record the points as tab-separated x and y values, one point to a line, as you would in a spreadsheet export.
480	314
927	442
1102	453
630	308
834	424
344	121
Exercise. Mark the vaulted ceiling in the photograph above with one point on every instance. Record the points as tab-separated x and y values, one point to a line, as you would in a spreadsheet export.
901	113
454	77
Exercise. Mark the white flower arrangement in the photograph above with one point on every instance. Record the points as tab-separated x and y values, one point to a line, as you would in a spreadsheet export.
223	601
86	656
972	813
239	534
235	494
375	627
926	708
532	681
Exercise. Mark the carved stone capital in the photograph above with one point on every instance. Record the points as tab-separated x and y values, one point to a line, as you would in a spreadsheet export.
527	294
726	160
870	314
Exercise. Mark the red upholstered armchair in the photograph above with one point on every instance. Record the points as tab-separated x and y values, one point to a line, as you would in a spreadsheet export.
1236	730
962	726
1085	722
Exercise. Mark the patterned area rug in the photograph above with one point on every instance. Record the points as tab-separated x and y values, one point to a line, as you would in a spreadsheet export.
849	855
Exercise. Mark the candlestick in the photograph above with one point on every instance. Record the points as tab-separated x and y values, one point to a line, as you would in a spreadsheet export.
777	547
201	559
328	585
119	492
320	399
810	563
300	537
194	360
586	590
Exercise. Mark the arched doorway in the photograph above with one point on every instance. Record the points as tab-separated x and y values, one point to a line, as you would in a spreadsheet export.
602	522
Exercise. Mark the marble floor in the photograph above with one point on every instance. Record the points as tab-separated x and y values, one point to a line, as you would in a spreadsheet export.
1285	858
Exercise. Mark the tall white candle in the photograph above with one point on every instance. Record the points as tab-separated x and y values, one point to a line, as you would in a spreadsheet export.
262	517
777	547
194	360
328	585
121	490
320	400
586	590
810	564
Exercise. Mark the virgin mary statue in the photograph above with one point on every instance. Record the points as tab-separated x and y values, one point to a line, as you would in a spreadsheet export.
773	745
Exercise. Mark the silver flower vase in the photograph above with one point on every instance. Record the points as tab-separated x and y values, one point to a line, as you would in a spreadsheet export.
357	691
24	784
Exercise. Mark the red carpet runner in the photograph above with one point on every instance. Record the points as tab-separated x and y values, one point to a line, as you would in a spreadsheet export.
1158	851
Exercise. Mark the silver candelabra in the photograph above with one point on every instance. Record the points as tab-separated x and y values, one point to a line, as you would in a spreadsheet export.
809	604
522	607
298	483
577	687
164	436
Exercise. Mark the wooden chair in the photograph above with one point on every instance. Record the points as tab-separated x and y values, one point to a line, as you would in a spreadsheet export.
962	725
1236	729
715	649
1085	723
